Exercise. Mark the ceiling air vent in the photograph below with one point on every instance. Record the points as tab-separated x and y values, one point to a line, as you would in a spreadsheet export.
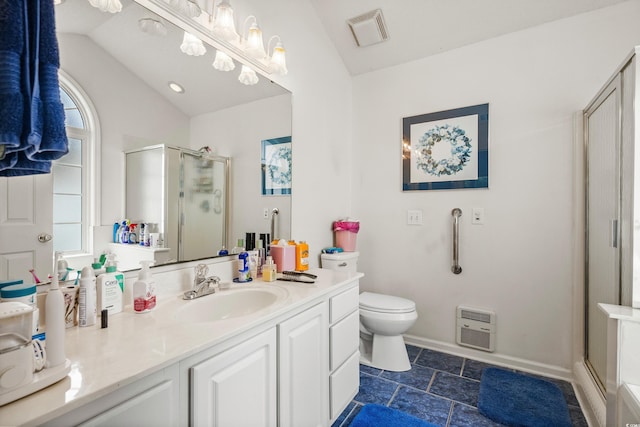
368	28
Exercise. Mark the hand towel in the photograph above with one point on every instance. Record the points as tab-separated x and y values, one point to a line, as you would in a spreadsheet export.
11	98
48	138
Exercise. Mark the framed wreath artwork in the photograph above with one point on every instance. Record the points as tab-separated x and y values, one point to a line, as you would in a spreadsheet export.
446	150
276	166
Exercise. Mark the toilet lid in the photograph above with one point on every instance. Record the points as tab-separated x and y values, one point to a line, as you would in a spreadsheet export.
385	303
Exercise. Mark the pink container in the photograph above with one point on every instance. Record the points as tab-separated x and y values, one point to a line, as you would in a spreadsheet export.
346	233
284	257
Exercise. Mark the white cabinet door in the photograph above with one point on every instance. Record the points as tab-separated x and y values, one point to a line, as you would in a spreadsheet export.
149	402
237	387
304	368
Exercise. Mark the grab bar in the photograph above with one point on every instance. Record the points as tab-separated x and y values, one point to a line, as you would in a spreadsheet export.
274	214
456	213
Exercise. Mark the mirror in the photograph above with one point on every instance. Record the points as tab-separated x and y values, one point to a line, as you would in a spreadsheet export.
124	72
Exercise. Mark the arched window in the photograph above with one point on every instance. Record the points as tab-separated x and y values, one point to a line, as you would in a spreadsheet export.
75	175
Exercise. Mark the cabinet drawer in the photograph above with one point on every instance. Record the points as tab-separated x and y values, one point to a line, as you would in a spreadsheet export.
344	338
343	304
344	384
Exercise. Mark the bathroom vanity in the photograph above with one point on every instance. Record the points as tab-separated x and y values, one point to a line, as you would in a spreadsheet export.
291	362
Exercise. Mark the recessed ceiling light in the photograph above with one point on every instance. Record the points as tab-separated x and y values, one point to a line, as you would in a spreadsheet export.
176	87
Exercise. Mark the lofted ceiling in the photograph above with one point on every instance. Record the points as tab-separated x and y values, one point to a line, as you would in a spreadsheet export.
420	28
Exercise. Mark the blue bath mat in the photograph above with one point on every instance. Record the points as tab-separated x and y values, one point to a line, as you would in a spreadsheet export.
520	400
372	415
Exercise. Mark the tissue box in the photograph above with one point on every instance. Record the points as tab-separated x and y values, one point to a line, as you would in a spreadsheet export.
284	257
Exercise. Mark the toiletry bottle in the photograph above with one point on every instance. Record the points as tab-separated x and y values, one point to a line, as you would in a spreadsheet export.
262	256
55	327
87	298
239	247
302	256
269	270
141	236
144	290
97	268
243	267
110	289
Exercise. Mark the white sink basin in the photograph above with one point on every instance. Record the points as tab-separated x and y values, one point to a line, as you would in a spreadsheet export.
230	303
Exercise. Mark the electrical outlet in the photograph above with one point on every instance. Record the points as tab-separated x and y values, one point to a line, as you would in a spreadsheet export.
265	213
414	217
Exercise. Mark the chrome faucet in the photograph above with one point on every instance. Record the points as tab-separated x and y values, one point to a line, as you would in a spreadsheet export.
202	285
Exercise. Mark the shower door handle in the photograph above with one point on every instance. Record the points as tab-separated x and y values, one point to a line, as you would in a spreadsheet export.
456	213
613	233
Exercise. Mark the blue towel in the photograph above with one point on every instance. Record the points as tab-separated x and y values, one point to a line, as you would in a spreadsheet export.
32	129
11	97
48	138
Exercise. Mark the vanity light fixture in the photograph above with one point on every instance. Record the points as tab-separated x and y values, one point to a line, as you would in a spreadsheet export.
252	39
223	62
111	6
175	87
223	24
192	45
186	7
152	27
277	60
248	76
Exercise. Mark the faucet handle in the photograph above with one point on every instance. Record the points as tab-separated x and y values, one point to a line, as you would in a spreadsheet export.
201	271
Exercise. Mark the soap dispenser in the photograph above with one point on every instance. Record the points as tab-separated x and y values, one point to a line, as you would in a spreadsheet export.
144	290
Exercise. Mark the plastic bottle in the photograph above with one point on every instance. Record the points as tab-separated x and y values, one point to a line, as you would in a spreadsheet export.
223	251
239	247
269	270
110	288
144	290
262	256
97	268
87	298
55	327
302	256
243	267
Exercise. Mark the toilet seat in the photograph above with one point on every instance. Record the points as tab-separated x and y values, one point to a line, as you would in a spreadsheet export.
385	303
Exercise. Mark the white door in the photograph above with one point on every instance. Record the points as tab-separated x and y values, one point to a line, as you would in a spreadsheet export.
603	198
26	227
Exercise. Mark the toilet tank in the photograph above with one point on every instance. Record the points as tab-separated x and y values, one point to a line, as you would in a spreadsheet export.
343	261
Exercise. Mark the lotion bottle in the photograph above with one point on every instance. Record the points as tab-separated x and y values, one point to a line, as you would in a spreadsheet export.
269	270
55	326
110	289
144	290
87	298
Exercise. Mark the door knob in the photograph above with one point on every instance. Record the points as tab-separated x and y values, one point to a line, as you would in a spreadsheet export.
44	237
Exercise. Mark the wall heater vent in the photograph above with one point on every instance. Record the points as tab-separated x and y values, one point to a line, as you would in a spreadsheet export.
475	328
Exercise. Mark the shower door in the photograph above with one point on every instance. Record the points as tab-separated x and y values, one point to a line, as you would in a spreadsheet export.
203	198
602	140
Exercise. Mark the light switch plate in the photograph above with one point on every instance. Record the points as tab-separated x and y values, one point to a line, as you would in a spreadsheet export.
414	217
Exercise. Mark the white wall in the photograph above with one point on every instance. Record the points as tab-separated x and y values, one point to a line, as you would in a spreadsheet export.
237	133
118	97
520	263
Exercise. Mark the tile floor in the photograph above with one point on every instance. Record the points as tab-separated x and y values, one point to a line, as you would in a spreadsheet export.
440	388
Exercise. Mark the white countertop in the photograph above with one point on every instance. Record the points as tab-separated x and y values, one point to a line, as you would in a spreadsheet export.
136	345
621	312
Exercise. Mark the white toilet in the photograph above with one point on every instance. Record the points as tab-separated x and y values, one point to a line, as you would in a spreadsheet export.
383	320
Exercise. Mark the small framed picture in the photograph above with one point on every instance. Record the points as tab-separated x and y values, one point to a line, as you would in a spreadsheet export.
276	166
446	150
